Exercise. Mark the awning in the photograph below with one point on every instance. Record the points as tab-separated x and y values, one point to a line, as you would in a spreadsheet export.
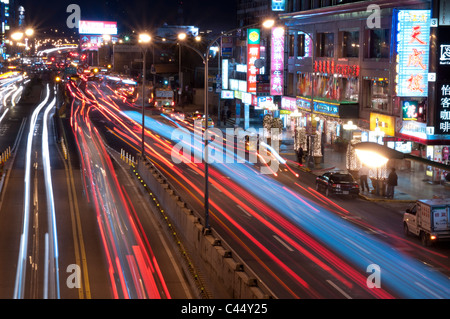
393	154
380	149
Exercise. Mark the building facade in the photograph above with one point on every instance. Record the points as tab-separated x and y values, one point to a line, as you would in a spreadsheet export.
374	64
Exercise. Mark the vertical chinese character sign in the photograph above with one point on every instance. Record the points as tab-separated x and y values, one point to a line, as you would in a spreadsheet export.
443	110
413	49
277	61
253	54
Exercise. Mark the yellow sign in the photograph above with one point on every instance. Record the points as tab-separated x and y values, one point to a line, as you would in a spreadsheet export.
386	123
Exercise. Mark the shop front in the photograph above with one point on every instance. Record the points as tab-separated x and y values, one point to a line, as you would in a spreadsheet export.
426	144
381	126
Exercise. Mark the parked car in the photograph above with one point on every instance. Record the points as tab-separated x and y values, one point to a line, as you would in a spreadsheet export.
337	183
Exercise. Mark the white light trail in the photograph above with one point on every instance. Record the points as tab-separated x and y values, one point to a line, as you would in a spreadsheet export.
53	234
22	258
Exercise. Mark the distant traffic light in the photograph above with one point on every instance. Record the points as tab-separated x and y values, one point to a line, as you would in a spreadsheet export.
57	79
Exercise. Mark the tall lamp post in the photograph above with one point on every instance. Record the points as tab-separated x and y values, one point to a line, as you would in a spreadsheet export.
144	39
205	58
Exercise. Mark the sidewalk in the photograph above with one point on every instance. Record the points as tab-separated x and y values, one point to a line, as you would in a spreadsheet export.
413	183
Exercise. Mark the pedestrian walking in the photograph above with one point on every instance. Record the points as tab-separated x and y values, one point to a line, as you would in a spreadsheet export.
300	154
391	183
363	174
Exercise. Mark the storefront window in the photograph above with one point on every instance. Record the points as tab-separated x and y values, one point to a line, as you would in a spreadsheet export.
349	89
378	94
291	44
325	45
329	87
378	44
350	44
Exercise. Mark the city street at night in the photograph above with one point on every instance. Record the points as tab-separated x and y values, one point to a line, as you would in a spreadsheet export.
239	158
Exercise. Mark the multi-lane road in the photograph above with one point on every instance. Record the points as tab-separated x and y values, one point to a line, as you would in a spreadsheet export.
75	224
300	243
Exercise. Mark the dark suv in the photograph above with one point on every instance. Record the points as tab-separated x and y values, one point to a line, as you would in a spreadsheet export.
337	183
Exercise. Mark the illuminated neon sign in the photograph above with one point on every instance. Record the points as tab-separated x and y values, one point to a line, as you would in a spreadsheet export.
278	5
409	110
97	27
443	109
253	54
413	37
277	62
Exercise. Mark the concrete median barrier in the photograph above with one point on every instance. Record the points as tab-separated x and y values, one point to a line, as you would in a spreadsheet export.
226	274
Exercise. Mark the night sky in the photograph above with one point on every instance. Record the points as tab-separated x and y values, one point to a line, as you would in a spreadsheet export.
143	14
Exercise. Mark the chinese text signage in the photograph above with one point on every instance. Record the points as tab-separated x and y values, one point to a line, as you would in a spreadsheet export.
326	108
413	41
253	54
409	110
277	61
443	109
288	103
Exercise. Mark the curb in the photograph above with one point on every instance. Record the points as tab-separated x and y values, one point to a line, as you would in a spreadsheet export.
387	200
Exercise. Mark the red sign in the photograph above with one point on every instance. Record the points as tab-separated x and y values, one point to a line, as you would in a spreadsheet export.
342	69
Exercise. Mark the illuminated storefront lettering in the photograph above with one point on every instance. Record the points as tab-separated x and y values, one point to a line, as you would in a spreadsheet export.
277	61
443	111
413	35
253	54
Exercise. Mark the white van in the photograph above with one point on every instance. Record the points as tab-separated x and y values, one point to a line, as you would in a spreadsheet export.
428	219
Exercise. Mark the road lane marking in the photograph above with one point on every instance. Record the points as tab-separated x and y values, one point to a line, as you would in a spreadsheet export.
193	171
247	213
339	289
216	188
77	231
283	243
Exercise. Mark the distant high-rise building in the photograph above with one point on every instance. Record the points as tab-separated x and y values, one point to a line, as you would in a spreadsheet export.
7	15
252	11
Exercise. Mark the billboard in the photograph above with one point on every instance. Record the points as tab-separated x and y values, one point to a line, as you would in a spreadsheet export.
253	54
277	61
413	51
97	27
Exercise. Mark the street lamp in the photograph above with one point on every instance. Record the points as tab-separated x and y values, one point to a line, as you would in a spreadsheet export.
144	39
17	36
205	58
